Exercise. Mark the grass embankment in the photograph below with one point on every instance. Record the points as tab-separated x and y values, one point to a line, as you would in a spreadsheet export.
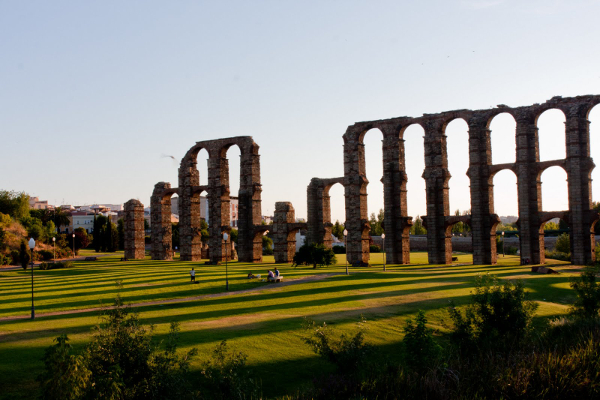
265	324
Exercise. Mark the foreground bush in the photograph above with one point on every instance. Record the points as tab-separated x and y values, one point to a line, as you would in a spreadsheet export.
499	315
587	287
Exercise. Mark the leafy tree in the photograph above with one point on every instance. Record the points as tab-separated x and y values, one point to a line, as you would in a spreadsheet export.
314	254
563	243
417	228
551	226
587	287
498	314
347	353
81	239
121	362
121	233
420	348
225	375
146	224
376	223
24	255
34	227
175	238
61	218
337	230
15	204
204	231
234	236
267	244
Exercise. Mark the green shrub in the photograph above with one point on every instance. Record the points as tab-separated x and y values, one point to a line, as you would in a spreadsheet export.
314	254
558	255
374	248
24	255
498	314
347	353
46	255
44	266
420	348
5	259
587	288
341	249
563	243
121	362
15	257
225	376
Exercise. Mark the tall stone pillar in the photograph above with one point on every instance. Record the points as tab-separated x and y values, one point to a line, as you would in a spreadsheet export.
189	211
284	239
160	214
250	209
355	193
436	175
134	230
482	196
396	221
579	169
529	188
219	206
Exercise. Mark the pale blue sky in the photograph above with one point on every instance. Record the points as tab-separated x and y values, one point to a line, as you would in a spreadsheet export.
93	94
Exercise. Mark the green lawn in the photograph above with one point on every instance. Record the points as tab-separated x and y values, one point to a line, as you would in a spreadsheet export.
265	324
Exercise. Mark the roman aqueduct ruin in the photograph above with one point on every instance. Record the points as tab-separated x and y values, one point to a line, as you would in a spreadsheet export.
483	221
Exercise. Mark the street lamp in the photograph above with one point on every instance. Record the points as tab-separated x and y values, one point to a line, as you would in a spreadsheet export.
73	245
54	249
31	247
383	238
225	237
503	251
346	245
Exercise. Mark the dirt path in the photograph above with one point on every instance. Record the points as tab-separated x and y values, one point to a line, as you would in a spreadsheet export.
180	300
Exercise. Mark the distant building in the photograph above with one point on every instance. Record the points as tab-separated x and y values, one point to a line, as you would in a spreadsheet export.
82	219
36	204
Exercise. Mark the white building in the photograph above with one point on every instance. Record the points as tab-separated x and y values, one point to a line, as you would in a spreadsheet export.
82	219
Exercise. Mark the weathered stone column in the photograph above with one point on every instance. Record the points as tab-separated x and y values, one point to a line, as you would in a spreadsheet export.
134	230
482	196
250	205
436	175
218	194
355	193
284	240
396	221
315	220
529	188
160	214
579	170
189	211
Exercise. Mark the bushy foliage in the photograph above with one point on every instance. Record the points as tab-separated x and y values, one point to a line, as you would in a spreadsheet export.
376	223
347	352
15	204
420	348
558	255
47	266
499	314
587	288
24	255
417	228
121	362
374	249
339	249
563	243
337	230
315	254
225	376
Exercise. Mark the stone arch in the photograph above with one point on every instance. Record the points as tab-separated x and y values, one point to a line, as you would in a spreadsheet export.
553	190
551	135
503	150
458	156
319	210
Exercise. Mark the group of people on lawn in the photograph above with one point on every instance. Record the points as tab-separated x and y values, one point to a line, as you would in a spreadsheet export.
272	275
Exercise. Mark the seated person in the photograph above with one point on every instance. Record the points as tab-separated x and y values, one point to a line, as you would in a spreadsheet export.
271	276
251	276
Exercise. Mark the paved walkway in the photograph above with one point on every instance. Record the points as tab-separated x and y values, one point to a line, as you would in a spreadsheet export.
180	300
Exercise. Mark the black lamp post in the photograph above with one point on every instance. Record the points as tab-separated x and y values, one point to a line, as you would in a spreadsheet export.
346	244
73	245
54	249
225	237
383	238
31	247
503	251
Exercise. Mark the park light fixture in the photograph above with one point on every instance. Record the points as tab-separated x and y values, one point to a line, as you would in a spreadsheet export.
383	238
73	245
54	249
31	247
225	237
503	244
346	245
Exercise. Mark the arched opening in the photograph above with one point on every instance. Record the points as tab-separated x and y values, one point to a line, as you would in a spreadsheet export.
556	239
457	145
337	217
506	206
233	157
414	157
551	135
555	191
594	118
373	142
202	166
503	138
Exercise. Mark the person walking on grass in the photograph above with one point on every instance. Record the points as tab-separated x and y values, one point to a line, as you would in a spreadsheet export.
193	275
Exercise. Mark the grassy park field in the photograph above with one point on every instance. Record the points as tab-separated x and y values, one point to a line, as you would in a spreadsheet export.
261	319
